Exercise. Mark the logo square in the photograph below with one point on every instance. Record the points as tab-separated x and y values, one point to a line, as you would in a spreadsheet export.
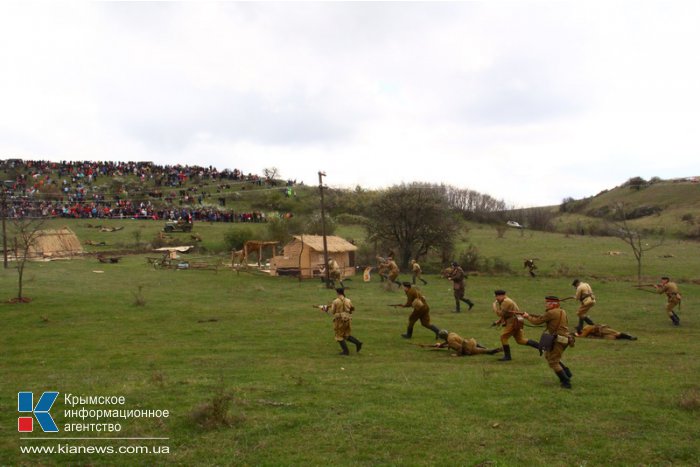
25	424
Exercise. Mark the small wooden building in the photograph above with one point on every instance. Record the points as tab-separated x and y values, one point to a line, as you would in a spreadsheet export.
304	256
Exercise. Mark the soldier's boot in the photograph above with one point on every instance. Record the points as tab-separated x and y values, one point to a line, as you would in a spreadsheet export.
588	320
457	306
565	383
424	281
676	320
506	354
624	335
358	344
414	280
494	351
567	372
532	343
344	346
409	333
341	284
579	326
436	330
469	303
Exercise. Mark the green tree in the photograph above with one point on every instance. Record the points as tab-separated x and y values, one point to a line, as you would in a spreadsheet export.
413	217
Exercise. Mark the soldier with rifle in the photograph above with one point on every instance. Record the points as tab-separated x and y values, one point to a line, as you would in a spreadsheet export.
463	346
603	331
341	309
558	338
510	317
457	276
584	294
421	311
672	294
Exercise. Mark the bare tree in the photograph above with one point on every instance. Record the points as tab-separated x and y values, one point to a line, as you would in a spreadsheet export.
634	238
271	173
26	231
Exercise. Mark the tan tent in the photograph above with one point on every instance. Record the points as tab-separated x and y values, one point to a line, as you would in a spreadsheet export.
55	244
304	255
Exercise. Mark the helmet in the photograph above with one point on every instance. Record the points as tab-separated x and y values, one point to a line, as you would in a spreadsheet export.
443	333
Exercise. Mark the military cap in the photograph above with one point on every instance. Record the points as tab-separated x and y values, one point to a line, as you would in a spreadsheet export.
454	263
499	292
551	298
575	282
340	290
406	284
665	278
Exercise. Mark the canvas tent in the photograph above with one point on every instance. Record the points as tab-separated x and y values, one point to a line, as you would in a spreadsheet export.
304	256
59	243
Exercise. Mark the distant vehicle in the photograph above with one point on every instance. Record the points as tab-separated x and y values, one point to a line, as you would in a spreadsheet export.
514	224
177	226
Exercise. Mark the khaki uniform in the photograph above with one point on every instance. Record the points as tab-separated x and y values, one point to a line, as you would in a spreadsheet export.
672	294
457	277
393	270
341	308
599	330
333	270
556	323
421	310
417	272
584	294
464	346
508	314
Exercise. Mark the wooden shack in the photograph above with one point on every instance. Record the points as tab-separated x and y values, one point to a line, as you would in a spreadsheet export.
304	256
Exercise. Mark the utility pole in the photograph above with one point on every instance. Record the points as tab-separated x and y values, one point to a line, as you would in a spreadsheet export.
4	231
323	230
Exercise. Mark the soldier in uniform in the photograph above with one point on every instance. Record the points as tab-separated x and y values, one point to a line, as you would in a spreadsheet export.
603	331
341	309
509	316
334	273
393	271
457	276
421	311
382	268
557	325
463	346
673	296
584	294
417	272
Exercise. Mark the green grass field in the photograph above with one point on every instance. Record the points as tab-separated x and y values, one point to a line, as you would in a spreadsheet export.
256	343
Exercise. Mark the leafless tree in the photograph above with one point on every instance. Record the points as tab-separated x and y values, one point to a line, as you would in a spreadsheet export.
634	238
271	173
26	231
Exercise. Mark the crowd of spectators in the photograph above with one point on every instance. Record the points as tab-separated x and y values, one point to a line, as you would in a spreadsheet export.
86	190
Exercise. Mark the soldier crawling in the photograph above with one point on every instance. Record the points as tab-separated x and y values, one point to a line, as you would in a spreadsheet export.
462	346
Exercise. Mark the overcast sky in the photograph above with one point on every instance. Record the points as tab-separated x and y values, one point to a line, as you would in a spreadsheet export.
527	101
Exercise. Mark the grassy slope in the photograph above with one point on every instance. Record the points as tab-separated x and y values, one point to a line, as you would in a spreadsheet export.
296	402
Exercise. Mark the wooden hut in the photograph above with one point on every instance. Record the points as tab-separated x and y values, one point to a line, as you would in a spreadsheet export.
304	256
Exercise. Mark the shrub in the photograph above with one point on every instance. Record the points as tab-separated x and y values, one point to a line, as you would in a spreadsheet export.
235	238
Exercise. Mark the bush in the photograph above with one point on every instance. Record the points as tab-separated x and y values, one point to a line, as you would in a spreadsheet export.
235	238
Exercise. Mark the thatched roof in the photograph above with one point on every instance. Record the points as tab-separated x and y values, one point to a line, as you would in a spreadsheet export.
335	244
55	243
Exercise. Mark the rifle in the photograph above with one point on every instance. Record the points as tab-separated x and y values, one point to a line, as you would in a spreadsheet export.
396	305
323	308
645	285
567	298
437	346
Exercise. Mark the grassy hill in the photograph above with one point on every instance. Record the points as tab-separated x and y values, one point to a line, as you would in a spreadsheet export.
670	207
